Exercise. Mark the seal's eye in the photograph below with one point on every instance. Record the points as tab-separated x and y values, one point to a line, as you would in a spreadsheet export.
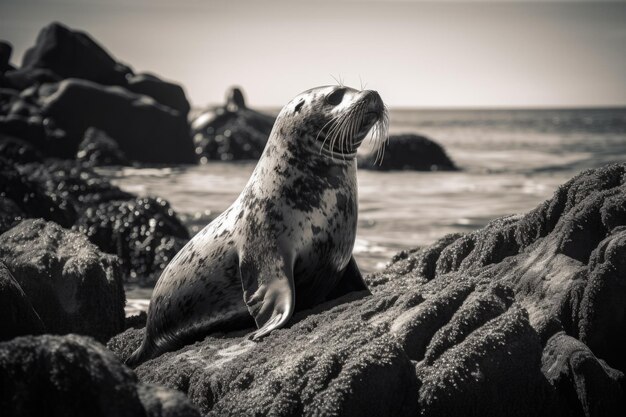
336	96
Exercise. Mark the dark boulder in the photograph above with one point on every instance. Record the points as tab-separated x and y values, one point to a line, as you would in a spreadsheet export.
18	151
5	55
75	184
29	129
29	198
523	317
73	287
23	78
145	130
98	149
75	376
231	132
144	232
10	214
40	132
584	383
409	152
166	93
8	97
18	315
73	54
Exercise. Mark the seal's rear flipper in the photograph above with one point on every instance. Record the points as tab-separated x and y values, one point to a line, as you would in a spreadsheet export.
139	356
352	280
269	293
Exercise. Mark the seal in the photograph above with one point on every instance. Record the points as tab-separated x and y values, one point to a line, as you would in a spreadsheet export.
286	243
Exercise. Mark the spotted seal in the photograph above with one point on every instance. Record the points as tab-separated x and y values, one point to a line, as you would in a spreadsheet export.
286	242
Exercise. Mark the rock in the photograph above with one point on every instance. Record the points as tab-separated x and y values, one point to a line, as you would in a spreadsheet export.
582	380
145	233
350	357
522	317
231	132
5	55
166	93
159	401
76	185
10	214
145	130
28	129
18	151
602	313
235	99
18	315
98	149
75	376
73	54
366	373
23	78
72	286
409	152
29	199
41	133
8	97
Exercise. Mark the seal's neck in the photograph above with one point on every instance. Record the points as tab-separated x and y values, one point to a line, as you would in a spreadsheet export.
289	160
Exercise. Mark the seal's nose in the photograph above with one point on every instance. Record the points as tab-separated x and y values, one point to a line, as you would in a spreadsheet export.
374	102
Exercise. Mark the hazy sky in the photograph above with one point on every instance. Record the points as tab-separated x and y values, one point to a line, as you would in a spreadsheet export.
414	53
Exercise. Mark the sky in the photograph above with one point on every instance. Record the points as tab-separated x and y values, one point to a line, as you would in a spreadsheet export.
415	53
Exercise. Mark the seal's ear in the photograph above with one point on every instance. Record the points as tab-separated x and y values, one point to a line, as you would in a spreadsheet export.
351	280
268	291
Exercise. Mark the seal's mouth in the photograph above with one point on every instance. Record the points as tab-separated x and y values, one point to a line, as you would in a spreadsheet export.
341	136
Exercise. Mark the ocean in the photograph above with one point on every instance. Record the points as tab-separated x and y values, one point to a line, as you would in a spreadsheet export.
510	161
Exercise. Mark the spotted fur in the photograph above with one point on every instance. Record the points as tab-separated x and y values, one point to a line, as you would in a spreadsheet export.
285	243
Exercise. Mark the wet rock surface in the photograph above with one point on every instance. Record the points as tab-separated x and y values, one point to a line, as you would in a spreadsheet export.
409	152
522	317
71	285
231	132
76	376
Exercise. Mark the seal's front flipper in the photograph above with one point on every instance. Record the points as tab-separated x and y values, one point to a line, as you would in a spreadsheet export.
351	280
268	291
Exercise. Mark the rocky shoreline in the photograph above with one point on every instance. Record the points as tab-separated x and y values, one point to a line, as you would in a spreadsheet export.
526	316
528	310
522	317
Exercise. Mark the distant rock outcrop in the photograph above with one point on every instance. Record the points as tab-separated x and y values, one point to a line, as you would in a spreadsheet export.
5	56
145	130
231	132
73	375
523	317
71	285
74	54
69	83
409	152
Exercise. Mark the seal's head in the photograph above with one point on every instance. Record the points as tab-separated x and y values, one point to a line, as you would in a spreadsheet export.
334	120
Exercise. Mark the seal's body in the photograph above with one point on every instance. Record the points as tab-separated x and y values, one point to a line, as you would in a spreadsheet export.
286	242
